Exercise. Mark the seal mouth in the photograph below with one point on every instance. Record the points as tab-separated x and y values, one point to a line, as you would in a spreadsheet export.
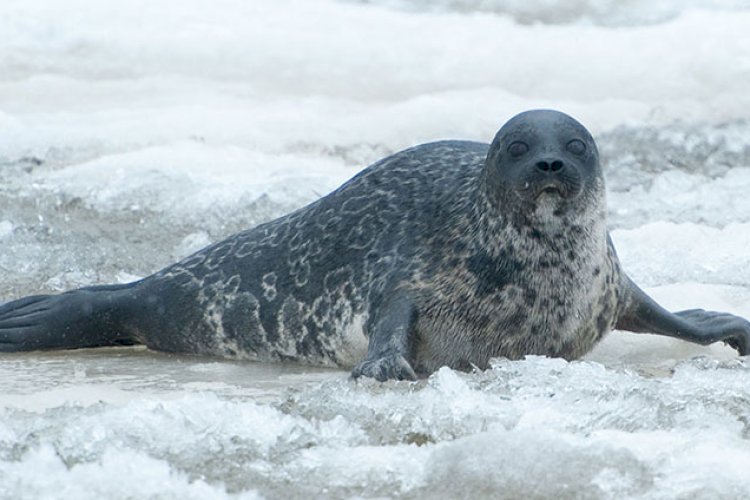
535	186
549	190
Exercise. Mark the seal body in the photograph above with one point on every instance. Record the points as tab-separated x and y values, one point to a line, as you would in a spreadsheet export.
308	286
446	254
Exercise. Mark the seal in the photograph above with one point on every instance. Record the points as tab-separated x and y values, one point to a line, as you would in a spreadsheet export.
445	254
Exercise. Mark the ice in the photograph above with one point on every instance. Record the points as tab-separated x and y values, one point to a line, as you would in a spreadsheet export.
664	252
604	12
6	228
683	197
146	74
134	133
118	475
537	428
213	178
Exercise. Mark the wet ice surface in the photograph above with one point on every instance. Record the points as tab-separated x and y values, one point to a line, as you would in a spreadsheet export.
132	134
132	424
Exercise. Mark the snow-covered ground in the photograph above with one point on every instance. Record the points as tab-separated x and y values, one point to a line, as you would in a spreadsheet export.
132	133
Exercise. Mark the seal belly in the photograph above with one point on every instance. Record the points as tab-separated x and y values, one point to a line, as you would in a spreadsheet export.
349	343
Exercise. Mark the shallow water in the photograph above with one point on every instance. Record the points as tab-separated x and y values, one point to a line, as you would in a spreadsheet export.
132	134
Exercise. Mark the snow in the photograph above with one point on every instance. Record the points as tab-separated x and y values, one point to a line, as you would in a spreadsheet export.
540	428
133	133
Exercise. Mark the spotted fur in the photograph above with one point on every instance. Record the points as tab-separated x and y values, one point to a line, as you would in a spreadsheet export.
307	286
445	254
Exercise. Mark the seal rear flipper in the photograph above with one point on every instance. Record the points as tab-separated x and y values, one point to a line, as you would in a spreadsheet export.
391	350
88	317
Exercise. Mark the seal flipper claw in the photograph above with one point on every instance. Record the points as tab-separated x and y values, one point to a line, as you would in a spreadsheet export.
391	342
392	366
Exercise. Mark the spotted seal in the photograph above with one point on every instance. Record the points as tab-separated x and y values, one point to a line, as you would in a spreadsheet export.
445	254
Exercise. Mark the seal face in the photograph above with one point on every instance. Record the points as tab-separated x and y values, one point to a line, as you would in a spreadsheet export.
447	253
543	159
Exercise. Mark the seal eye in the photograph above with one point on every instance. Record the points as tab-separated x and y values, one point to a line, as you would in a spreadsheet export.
577	147
517	148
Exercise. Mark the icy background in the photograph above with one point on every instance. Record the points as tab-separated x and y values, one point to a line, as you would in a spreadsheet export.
132	133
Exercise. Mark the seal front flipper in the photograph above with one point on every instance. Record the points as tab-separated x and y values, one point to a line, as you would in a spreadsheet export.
87	317
715	326
641	314
391	350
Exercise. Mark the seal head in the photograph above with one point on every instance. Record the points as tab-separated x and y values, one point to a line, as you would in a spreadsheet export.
543	162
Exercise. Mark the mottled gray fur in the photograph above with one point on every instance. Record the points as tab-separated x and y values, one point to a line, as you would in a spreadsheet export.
446	254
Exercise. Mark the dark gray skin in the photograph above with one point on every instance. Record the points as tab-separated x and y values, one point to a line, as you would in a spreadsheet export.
446	254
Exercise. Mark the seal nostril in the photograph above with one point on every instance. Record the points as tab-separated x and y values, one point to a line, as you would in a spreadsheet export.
543	166
556	165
